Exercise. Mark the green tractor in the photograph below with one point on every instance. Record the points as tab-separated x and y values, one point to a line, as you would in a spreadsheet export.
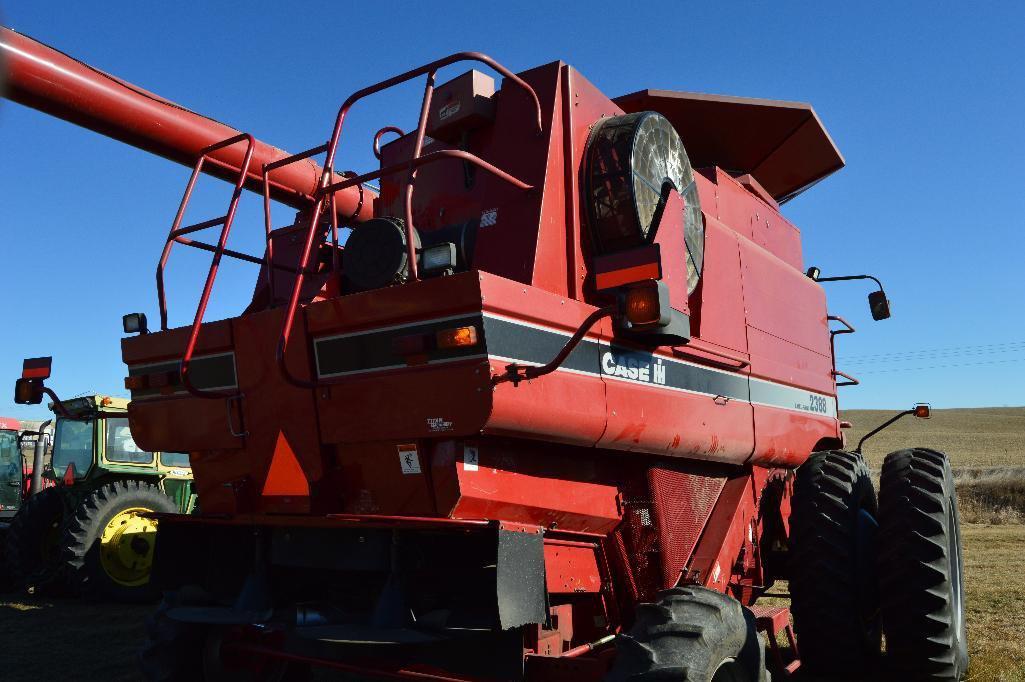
89	528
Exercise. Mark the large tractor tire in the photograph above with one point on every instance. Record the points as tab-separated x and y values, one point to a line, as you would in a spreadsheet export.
33	544
921	576
833	589
108	543
190	652
690	634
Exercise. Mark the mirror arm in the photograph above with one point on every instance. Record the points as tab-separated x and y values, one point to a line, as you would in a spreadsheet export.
58	406
846	278
899	415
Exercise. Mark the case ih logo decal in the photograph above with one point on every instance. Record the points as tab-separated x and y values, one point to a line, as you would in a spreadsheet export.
634	366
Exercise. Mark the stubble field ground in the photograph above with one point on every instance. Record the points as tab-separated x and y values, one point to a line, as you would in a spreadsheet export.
44	639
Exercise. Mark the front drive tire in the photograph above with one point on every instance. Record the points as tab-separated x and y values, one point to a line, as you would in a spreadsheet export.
108	544
690	634
921	572
833	588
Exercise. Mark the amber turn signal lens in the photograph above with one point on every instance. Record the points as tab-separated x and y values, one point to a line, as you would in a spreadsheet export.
136	382
457	337
923	411
643	306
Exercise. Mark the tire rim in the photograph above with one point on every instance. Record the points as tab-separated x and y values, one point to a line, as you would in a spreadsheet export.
954	552
126	546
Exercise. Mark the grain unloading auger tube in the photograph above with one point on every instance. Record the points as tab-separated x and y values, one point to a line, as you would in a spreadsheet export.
44	78
548	405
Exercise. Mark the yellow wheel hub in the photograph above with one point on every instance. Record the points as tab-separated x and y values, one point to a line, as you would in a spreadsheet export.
126	547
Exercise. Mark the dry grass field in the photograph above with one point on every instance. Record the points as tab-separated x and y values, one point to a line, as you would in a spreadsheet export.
986	447
44	639
978	438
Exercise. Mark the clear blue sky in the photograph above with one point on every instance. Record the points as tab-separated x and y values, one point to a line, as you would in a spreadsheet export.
925	100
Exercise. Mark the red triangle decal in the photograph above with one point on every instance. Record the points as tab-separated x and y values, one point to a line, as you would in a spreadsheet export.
285	477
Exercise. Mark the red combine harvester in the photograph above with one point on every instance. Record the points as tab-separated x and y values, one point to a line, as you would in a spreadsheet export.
561	406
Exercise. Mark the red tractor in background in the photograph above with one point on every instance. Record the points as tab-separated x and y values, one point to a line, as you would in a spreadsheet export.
13	472
561	406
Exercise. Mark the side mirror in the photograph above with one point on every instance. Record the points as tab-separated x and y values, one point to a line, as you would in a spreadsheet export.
879	305
813	273
28	391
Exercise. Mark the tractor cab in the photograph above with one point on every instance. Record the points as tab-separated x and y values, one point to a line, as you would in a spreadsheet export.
95	432
92	440
11	470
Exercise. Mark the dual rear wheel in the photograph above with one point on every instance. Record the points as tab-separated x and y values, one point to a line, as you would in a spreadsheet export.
860	568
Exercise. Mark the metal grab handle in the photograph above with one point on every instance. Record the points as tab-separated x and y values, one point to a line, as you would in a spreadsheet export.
836	318
852	381
231	422
377	138
692	349
833	333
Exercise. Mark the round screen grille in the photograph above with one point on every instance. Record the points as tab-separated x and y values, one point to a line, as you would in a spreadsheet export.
633	162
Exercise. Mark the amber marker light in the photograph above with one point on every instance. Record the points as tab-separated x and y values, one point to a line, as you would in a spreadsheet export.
643	305
457	337
923	410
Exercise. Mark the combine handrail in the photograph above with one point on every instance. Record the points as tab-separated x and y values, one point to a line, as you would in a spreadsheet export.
177	235
833	333
327	189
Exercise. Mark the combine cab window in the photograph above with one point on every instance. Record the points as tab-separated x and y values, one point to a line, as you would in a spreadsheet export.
121	446
10	471
178	460
73	444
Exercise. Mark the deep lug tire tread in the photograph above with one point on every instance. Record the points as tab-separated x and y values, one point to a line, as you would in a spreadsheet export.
924	638
684	635
23	537
834	604
80	557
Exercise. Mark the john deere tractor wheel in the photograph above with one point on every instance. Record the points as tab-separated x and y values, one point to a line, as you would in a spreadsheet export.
690	634
34	541
921	577
833	588
108	543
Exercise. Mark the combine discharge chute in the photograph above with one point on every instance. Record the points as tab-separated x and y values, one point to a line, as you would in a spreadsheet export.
562	406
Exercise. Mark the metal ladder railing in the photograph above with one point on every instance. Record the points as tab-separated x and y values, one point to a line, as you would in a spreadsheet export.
177	235
327	189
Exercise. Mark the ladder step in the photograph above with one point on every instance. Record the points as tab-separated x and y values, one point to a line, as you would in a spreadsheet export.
213	222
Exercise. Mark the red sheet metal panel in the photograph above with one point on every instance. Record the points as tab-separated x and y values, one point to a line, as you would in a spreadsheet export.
571	569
